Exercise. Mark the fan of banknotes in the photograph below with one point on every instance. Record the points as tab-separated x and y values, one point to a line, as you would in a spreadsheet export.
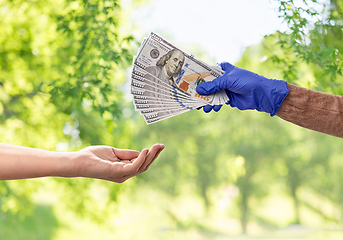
164	79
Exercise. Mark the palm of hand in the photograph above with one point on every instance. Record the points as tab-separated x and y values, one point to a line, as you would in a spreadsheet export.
117	165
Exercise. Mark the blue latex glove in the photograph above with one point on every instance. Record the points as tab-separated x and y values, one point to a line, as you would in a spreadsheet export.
247	90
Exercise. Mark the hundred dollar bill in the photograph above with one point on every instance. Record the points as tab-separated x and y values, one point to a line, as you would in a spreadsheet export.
160	92
141	93
169	98
162	106
168	102
137	71
143	82
143	107
165	104
148	109
152	118
175	67
162	95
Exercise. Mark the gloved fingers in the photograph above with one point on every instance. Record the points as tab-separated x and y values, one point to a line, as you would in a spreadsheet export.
207	108
216	108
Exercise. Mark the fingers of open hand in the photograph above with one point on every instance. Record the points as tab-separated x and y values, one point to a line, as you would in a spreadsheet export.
154	151
125	154
129	167
141	164
133	168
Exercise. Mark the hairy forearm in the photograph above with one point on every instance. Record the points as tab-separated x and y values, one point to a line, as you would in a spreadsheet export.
18	162
313	110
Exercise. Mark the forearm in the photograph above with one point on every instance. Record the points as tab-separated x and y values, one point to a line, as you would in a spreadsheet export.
313	110
18	162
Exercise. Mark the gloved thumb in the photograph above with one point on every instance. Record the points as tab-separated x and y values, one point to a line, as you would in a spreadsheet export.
206	88
227	67
213	86
218	83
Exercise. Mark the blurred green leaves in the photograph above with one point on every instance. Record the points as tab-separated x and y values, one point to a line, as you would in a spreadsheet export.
94	50
313	36
62	83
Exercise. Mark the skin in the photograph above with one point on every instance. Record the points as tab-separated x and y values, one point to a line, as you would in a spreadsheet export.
174	63
99	162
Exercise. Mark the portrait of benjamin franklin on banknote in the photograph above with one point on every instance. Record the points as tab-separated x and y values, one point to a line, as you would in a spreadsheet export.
161	75
168	67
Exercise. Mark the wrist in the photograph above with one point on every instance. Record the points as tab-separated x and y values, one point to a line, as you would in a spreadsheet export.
269	95
64	165
279	93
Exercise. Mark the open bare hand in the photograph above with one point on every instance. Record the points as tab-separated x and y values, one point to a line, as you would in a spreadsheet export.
112	164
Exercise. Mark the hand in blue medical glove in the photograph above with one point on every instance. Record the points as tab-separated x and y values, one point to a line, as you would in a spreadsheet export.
247	90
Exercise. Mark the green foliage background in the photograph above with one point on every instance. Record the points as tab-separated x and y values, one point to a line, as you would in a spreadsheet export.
63	86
